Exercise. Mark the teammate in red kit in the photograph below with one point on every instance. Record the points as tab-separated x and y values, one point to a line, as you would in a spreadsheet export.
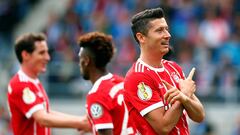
156	91
27	99
105	104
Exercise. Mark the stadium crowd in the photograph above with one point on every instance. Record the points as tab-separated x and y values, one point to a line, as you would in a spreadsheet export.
205	34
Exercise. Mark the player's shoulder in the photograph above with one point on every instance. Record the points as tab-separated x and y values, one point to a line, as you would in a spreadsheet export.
113	85
17	84
137	69
102	88
107	90
135	76
117	79
132	80
101	96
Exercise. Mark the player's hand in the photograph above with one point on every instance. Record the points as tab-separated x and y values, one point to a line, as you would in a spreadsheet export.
173	94
83	125
188	86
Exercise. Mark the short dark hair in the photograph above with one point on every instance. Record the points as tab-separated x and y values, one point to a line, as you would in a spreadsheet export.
26	42
100	46
140	21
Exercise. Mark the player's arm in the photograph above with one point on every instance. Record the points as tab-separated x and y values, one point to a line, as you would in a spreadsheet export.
164	121
61	120
186	96
194	108
161	121
105	132
192	104
86	127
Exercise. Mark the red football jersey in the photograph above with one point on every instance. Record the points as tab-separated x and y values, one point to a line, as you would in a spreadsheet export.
26	96
144	92
106	107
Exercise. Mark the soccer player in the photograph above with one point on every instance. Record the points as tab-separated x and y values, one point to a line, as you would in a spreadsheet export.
105	104
27	99
157	94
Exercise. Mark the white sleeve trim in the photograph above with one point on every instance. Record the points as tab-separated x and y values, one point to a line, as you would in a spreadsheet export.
151	107
115	89
103	126
34	109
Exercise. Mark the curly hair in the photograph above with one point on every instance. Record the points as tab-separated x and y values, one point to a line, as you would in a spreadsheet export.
100	47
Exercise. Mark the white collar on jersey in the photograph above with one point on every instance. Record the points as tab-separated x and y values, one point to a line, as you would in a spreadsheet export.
25	77
98	82
150	67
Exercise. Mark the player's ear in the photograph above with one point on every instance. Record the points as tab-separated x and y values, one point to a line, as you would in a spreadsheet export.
140	37
25	55
87	60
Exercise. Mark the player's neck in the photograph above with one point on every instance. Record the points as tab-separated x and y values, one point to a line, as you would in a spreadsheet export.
29	72
96	74
152	61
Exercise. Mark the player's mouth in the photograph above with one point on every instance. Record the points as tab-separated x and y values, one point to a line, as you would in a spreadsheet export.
44	64
165	43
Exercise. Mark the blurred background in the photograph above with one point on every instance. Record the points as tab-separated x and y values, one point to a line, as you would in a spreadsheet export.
205	35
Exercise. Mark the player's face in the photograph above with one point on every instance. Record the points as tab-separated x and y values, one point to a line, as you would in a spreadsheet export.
158	37
83	62
37	61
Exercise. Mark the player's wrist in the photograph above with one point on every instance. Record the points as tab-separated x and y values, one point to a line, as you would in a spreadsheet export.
187	92
186	100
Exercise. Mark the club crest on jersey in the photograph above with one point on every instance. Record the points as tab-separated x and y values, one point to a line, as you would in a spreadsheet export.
144	91
28	96
175	77
96	110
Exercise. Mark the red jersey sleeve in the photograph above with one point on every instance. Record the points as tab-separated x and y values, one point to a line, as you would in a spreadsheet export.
99	111
26	98
142	92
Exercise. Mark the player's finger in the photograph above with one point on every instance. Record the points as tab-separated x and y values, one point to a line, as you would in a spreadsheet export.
167	94
169	86
171	96
190	76
172	100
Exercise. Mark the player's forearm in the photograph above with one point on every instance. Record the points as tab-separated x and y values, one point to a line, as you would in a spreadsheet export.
58	121
64	115
50	120
172	116
82	121
163	121
194	109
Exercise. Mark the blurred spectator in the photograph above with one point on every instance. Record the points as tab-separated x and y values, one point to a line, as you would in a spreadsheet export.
213	31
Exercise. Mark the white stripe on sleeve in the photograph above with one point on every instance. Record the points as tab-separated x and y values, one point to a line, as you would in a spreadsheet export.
34	109
151	107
